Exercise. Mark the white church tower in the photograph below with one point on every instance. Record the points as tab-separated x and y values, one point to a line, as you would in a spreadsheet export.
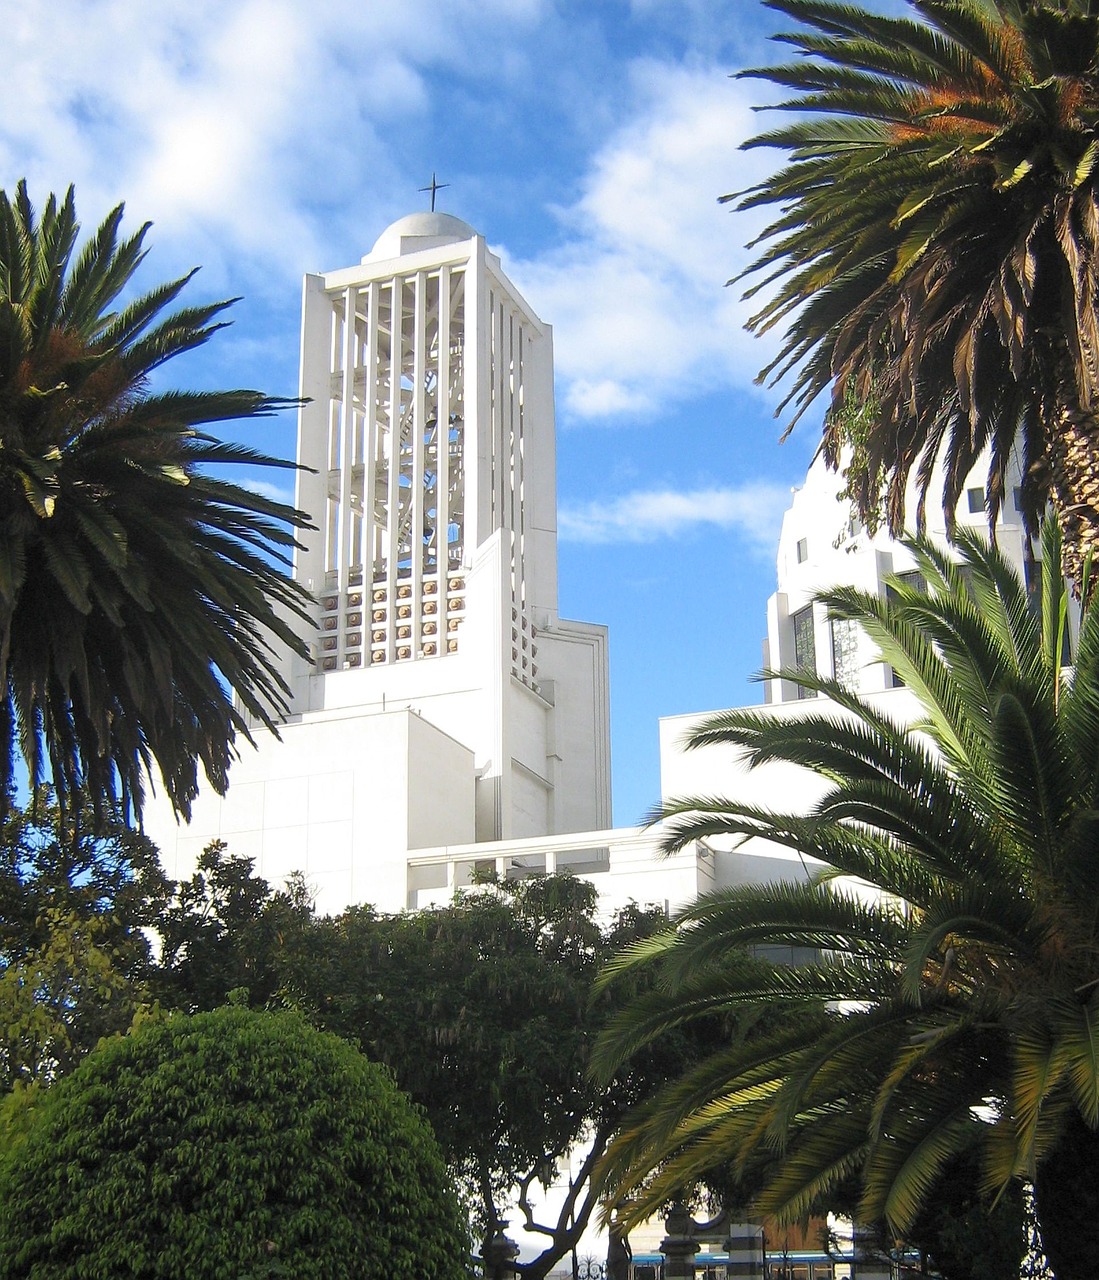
447	702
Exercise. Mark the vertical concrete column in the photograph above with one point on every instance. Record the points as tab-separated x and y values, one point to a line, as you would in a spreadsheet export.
679	1245
744	1245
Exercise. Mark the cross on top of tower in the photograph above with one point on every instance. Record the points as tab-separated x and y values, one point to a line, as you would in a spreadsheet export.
434	187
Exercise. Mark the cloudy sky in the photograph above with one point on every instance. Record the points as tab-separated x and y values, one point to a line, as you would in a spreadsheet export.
588	140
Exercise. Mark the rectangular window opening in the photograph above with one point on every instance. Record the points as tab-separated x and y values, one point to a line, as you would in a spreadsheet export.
805	652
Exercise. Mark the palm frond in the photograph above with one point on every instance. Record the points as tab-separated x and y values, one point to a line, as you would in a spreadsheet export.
139	594
927	986
936	185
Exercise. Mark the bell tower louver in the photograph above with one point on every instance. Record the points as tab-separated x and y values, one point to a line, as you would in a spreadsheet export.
429	421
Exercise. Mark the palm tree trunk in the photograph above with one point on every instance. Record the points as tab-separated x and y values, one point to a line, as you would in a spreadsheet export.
1074	485
1066	1194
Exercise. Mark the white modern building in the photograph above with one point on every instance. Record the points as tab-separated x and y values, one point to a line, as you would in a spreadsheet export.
450	720
821	546
447	703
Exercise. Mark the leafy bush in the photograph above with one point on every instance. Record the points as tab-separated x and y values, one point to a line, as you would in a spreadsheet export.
227	1146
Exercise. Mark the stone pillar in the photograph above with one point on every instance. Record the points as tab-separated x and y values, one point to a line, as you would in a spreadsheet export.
679	1245
500	1252
744	1245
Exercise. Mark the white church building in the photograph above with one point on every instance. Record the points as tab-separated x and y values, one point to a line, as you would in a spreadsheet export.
447	704
450	720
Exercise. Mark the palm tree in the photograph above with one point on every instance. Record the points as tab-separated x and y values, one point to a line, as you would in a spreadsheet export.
947	1002
139	591
935	254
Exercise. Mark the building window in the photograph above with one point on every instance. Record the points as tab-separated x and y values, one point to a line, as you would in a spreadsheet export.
845	651
1032	574
914	580
803	550
805	646
1018	495
975	499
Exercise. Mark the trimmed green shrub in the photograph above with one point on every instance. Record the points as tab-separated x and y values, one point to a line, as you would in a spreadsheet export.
232	1145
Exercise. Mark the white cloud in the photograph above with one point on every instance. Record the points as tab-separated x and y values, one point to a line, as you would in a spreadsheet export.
637	290
183	114
254	133
753	510
265	489
263	136
605	397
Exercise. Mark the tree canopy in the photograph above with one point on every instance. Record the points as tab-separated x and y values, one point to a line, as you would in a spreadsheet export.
484	1011
953	1004
140	590
233	1143
76	913
934	254
91	932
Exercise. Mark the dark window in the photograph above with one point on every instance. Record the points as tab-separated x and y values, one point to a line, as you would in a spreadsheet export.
805	646
915	581
1032	575
975	499
845	650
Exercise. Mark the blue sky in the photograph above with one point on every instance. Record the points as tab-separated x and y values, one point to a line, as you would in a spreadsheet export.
588	140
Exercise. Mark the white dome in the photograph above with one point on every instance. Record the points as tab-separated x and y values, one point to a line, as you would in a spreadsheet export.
419	231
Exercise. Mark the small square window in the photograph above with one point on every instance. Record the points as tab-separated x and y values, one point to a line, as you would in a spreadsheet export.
911	578
976	499
803	550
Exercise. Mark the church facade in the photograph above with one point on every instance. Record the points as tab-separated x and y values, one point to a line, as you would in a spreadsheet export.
447	703
450	721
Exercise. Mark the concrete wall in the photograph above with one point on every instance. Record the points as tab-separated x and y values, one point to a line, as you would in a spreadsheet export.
821	546
341	799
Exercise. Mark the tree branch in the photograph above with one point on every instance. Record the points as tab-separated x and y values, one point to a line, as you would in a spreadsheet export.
571	1221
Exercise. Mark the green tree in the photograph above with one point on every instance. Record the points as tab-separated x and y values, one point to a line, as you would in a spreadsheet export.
233	1143
226	930
956	1007
91	930
75	914
139	591
59	998
960	1233
484	1012
936	247
55	861
964	1237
